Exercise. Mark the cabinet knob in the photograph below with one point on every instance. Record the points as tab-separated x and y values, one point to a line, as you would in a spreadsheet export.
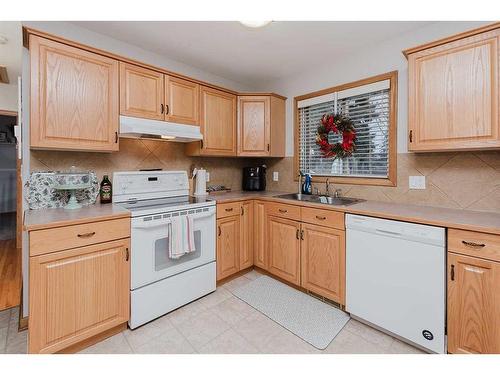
167	109
219	231
411	136
127	255
452	273
162	108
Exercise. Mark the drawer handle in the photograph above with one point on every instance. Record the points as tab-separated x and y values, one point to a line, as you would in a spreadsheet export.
320	217
228	209
297	234
473	244
282	211
86	235
127	254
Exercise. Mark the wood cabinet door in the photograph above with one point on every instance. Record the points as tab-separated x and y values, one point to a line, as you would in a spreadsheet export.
182	101
74	98
323	261
259	235
254	131
217	122
228	246
246	234
453	95
141	92
76	294
283	241
473	305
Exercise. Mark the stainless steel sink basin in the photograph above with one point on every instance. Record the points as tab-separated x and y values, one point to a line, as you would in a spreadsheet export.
340	201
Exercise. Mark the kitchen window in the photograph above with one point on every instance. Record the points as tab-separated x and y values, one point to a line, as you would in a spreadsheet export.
371	105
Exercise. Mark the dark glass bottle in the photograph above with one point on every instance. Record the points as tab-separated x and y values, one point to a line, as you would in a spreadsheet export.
106	190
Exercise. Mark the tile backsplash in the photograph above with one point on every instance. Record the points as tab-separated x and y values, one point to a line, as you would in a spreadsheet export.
137	154
467	180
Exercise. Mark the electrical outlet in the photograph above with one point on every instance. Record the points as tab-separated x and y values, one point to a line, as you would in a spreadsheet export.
276	176
417	182
208	176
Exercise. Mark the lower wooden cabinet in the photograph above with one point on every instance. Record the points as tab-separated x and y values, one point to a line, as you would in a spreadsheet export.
473	305
246	234
76	294
323	261
259	230
284	248
228	246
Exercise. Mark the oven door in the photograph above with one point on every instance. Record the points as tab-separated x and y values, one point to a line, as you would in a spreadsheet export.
150	246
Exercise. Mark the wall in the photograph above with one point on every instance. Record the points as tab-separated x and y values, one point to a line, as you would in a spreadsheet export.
466	180
79	34
138	154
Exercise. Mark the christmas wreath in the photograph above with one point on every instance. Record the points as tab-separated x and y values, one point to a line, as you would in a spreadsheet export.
337	124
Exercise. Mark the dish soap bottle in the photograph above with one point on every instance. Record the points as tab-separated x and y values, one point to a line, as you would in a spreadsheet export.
307	185
106	191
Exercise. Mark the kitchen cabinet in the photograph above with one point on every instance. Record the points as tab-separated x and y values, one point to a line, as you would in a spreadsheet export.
217	124
473	293
260	245
150	94
78	293
246	234
74	98
228	246
453	94
261	125
283	239
181	101
141	92
323	261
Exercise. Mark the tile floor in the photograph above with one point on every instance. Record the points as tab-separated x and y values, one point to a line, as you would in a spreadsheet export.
218	323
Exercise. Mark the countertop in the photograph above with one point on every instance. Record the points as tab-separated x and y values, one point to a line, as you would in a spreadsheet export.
57	217
487	222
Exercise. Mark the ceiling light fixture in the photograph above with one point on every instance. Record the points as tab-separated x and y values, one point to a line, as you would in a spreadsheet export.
255	24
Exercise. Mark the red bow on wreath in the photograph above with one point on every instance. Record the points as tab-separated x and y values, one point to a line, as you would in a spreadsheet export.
336	124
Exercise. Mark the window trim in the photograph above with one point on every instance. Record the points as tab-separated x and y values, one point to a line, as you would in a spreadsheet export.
391	180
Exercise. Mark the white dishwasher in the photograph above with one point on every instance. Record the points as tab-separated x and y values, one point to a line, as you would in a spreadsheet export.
396	277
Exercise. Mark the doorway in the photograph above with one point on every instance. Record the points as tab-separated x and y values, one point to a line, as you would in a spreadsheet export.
10	213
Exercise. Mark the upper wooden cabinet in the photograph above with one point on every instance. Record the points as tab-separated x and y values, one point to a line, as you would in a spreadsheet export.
74	98
453	94
181	101
261	125
150	94
141	92
217	124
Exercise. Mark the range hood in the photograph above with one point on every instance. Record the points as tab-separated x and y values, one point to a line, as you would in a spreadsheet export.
134	127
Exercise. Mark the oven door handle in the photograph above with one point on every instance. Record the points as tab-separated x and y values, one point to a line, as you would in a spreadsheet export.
157	223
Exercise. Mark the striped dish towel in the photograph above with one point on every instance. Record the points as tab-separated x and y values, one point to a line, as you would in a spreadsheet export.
181	236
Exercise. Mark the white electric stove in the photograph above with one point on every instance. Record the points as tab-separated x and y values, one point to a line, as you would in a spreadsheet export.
160	284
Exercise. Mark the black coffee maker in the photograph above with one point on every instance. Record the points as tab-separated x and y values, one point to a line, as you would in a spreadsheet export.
254	178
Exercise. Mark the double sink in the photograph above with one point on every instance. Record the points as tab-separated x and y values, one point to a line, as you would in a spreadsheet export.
333	201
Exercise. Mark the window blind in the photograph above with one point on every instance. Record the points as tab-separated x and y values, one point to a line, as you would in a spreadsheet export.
368	108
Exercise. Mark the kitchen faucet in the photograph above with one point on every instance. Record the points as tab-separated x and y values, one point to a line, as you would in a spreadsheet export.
327	190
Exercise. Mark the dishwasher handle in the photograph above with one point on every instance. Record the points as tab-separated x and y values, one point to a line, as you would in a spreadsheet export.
388	232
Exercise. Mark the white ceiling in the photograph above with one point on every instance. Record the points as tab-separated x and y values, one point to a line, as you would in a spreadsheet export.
10	53
251	56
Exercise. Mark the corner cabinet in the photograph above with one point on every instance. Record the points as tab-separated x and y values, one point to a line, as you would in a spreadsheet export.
261	125
74	98
454	93
217	124
81	292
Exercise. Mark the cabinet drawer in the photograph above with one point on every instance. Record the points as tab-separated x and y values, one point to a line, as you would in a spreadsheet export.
283	210
327	218
476	244
228	209
56	239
